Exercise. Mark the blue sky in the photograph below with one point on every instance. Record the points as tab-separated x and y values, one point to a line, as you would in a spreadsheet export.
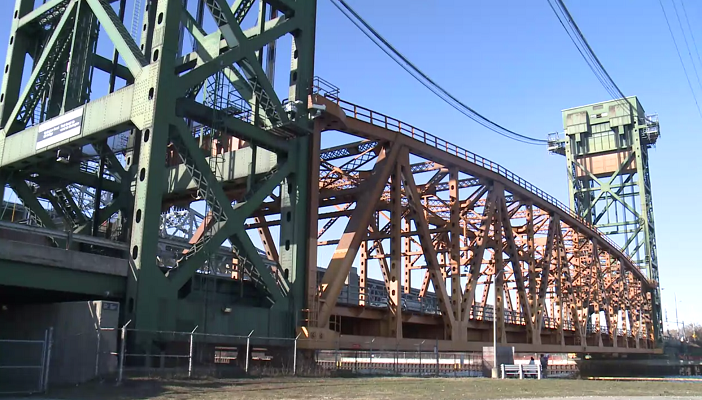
513	62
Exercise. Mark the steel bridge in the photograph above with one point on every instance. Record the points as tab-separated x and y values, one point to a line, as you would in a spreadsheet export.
191	177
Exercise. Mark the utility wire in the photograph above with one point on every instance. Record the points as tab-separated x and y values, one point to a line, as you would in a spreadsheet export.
691	31
425	80
680	57
586	56
687	45
576	36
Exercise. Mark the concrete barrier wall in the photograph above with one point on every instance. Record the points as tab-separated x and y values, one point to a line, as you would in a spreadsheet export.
75	336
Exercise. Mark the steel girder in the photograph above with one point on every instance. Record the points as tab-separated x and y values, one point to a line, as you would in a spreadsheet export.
464	222
164	160
424	205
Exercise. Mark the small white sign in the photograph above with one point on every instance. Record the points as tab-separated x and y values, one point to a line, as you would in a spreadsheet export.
60	128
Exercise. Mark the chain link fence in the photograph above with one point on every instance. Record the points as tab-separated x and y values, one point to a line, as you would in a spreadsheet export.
194	354
406	363
24	364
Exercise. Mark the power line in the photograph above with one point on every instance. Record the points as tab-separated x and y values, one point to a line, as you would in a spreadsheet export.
691	31
578	39
586	56
426	81
665	15
687	45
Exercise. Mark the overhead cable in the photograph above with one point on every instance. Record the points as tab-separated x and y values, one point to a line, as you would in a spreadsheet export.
692	33
689	83
687	45
576	36
425	80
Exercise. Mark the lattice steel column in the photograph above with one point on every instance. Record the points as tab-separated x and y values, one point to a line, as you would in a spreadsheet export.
606	148
157	101
155	95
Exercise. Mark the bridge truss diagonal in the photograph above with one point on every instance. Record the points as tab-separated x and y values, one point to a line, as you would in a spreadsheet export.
210	191
429	215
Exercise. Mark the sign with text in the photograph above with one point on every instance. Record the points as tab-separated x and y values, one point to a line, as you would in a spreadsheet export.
60	128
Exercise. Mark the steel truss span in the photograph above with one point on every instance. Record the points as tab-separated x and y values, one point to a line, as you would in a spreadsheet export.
425	214
191	160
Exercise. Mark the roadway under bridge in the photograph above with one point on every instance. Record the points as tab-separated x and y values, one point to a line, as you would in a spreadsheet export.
191	182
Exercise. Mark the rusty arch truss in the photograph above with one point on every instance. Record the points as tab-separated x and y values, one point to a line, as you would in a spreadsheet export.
414	204
207	126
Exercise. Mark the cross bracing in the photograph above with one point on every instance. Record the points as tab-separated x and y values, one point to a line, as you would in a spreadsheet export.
192	162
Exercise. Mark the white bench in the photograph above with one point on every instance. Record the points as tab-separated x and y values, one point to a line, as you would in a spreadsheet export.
521	370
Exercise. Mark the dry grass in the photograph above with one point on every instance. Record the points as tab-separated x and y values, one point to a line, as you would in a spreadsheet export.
370	388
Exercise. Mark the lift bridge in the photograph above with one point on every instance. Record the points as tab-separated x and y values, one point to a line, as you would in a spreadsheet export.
169	166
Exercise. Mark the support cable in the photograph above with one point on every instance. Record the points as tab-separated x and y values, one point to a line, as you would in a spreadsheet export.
426	81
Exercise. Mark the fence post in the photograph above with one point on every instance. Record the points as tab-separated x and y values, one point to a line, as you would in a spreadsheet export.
437	357
421	366
295	354
44	347
397	355
248	346
50	339
370	359
190	354
97	354
122	349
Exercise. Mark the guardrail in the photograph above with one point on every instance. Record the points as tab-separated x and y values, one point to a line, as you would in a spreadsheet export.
92	240
69	237
381	120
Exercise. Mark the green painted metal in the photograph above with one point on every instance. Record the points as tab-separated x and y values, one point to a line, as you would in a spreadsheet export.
55	50
18	274
606	147
156	108
123	42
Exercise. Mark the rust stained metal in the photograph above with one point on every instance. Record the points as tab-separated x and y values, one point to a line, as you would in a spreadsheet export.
465	223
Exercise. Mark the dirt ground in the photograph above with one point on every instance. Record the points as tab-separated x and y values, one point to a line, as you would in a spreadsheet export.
372	388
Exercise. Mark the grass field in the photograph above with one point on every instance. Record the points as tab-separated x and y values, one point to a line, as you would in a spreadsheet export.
370	388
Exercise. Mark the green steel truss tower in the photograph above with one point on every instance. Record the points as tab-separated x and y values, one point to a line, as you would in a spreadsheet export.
606	148
59	122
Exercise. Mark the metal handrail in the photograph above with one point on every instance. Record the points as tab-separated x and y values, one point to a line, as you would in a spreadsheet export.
56	234
381	120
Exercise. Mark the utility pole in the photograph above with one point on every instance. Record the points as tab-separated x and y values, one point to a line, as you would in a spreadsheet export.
677	321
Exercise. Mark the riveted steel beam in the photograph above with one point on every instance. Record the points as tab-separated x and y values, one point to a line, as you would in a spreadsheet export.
340	264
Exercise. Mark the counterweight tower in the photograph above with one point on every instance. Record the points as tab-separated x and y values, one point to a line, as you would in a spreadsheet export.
606	147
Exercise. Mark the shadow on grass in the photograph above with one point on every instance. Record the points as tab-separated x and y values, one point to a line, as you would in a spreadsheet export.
147	388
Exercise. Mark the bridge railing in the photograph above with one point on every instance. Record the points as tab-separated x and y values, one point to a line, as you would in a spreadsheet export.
68	236
381	120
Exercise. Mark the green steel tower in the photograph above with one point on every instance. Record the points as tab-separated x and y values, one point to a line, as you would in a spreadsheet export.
606	148
64	101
